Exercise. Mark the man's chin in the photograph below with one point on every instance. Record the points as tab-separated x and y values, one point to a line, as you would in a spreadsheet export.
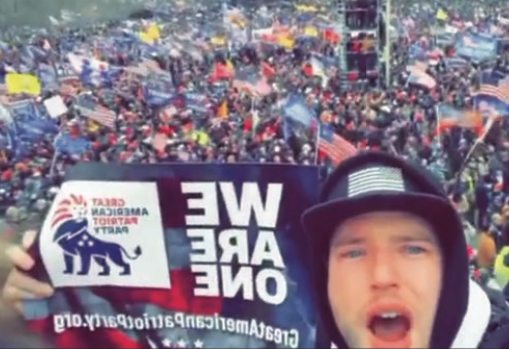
404	342
372	341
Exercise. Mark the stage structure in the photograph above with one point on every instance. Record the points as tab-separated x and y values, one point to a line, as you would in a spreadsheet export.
363	48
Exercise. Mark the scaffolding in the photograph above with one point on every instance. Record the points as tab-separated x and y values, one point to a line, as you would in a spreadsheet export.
363	48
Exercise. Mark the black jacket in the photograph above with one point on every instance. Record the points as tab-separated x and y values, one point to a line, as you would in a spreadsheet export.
497	333
485	325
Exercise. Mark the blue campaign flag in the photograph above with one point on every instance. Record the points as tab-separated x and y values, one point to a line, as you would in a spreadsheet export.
475	47
67	144
7	137
156	98
30	124
416	51
158	91
4	47
38	52
48	76
27	56
455	62
231	274
197	102
296	109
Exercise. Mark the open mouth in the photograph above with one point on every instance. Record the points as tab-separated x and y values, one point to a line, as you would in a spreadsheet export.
390	327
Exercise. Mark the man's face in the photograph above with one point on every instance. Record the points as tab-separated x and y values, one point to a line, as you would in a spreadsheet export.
385	278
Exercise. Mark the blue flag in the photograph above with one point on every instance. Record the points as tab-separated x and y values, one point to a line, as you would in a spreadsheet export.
296	109
30	124
475	47
65	143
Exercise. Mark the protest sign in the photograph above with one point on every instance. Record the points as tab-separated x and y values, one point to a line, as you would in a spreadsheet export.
178	256
55	106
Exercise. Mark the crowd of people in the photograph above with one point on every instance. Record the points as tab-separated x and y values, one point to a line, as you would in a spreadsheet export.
156	90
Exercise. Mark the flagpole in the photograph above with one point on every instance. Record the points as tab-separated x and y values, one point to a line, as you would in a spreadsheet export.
53	163
438	126
387	43
253	125
317	143
55	156
479	140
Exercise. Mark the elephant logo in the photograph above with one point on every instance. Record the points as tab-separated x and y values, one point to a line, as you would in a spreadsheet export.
73	237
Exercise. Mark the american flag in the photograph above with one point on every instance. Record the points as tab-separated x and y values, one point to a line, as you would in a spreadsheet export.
100	114
418	66
334	146
421	78
501	91
375	179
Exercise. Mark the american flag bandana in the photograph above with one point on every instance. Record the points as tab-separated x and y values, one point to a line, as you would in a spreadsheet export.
177	256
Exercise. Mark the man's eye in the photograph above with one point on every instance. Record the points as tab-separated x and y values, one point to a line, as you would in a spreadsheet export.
414	250
353	254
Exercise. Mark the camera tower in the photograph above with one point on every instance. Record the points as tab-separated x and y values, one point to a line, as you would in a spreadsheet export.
364	41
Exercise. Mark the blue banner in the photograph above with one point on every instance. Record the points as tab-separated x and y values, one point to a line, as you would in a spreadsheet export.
30	124
158	91
65	143
297	110
476	47
48	76
187	256
197	102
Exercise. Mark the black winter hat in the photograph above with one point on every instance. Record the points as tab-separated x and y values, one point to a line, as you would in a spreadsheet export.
376	181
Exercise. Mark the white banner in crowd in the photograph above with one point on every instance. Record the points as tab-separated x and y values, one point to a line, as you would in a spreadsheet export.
55	106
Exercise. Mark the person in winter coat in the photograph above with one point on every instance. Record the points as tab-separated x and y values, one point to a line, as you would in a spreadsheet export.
391	262
482	202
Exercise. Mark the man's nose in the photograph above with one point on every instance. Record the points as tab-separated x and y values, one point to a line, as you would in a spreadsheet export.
384	270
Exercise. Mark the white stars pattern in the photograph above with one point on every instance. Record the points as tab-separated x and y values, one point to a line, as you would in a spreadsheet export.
168	343
84	240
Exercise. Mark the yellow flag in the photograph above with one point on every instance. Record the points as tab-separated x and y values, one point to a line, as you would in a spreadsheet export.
286	41
306	8
146	38
442	15
153	32
23	83
218	40
311	31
